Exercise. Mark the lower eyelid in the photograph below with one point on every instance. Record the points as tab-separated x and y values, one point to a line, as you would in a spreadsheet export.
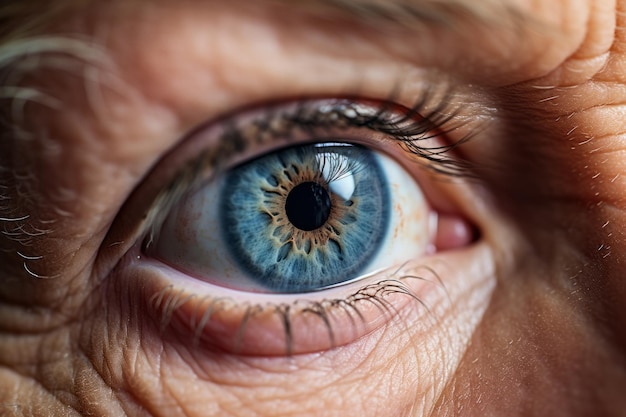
209	317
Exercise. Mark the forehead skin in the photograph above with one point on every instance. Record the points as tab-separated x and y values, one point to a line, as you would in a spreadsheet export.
522	323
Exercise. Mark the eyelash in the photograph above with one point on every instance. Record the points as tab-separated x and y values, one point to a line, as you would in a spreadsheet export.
411	127
169	300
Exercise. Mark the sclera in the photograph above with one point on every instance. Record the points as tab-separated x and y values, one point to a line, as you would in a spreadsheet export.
190	239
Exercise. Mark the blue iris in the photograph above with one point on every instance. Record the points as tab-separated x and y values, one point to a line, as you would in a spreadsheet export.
306	217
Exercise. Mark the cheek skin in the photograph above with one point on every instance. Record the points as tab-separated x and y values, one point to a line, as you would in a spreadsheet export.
534	331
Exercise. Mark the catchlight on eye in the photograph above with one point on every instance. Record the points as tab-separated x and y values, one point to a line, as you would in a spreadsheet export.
300	219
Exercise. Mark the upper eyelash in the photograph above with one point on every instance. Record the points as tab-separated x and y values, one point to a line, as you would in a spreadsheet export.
411	132
410	126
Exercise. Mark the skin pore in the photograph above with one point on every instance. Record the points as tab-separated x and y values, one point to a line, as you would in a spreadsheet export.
526	319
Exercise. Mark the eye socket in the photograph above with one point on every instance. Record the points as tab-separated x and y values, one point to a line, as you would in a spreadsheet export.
297	220
183	268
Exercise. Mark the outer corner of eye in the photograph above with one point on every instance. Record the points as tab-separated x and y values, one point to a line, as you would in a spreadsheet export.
452	232
302	219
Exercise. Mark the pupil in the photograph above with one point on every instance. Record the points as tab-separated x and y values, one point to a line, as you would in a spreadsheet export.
308	206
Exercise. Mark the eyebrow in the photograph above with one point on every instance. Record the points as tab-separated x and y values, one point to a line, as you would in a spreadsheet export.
414	14
408	13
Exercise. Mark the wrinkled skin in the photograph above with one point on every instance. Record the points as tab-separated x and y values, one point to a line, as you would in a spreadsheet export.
532	318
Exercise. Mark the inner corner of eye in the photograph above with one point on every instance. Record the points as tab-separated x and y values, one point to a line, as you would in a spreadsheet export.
302	219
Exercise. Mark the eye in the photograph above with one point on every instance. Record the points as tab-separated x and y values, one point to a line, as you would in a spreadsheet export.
297	220
285	229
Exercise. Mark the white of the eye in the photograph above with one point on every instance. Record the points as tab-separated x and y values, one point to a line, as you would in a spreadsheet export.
191	240
409	235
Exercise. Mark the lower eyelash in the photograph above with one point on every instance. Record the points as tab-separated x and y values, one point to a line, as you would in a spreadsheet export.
169	300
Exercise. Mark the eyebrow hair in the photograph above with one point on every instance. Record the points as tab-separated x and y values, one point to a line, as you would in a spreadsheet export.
414	14
23	15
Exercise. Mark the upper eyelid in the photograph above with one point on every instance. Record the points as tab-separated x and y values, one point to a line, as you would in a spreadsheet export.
383	117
